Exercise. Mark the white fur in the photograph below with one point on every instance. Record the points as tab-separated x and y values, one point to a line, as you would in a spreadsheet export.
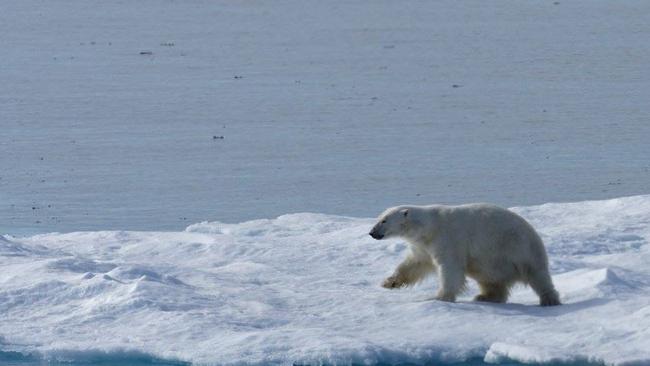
492	245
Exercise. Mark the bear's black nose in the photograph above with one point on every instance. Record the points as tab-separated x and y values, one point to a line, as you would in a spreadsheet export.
375	235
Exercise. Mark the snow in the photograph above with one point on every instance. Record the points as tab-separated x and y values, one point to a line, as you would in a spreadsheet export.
304	289
349	103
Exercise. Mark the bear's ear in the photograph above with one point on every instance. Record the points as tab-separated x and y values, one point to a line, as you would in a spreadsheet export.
405	212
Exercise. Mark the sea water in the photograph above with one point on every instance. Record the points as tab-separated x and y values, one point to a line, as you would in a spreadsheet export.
131	117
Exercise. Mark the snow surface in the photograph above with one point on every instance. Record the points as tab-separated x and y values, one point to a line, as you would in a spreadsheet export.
350	103
304	288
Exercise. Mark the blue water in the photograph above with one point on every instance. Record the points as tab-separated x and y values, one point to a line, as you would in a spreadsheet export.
338	110
105	362
18	359
164	363
477	362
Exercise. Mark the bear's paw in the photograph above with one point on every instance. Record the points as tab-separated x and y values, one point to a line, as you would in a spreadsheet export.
393	282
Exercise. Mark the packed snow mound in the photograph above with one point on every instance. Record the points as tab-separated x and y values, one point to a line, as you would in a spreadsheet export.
304	289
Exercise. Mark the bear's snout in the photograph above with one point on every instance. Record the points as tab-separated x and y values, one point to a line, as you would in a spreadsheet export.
375	234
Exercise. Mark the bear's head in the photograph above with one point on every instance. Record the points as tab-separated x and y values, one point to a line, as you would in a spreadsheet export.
393	222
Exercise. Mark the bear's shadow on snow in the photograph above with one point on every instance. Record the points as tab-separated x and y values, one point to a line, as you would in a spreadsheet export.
539	311
510	308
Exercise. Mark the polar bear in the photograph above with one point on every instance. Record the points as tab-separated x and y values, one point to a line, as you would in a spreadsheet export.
490	244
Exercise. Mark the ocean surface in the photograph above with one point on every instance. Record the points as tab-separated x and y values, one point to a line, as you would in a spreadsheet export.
108	362
154	115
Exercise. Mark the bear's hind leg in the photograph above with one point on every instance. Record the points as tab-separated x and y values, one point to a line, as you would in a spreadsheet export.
452	282
492	292
542	284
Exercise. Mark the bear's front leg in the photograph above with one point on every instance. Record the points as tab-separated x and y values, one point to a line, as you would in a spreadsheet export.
412	270
452	282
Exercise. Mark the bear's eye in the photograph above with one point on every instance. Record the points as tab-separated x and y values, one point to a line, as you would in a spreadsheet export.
383	221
